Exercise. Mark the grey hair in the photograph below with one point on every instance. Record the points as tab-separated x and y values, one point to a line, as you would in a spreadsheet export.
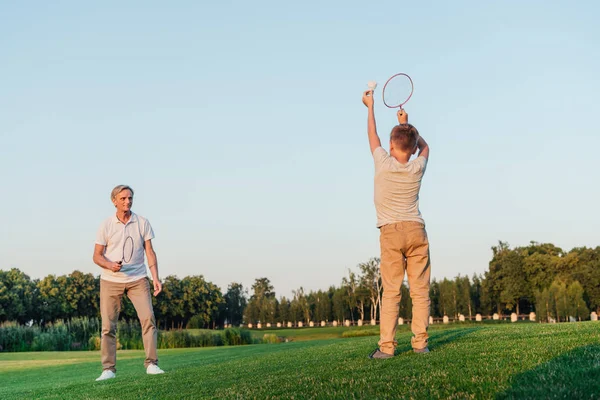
118	189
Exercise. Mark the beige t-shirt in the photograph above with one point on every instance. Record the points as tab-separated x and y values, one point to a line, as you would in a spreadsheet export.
112	234
397	188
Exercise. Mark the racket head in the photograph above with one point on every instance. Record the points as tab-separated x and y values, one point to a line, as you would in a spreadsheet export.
397	90
127	250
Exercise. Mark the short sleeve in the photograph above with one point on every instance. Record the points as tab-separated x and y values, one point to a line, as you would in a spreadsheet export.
101	235
147	231
380	156
421	163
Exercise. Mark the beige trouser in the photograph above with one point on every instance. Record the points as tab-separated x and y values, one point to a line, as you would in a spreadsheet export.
111	294
404	247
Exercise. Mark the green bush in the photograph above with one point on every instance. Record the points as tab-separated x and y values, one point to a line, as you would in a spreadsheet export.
236	337
196	322
182	339
129	335
55	337
59	336
94	343
270	338
14	337
81	330
85	334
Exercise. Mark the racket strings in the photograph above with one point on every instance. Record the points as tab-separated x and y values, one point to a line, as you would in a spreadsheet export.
397	90
127	250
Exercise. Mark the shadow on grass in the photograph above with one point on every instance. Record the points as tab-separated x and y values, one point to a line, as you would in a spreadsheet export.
438	339
573	375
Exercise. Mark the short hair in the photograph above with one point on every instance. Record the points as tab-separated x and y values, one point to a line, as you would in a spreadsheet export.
118	189
404	136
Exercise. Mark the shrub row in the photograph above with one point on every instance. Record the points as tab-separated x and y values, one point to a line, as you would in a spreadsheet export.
84	334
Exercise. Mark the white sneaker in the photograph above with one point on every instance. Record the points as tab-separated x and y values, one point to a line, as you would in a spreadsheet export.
106	374
153	369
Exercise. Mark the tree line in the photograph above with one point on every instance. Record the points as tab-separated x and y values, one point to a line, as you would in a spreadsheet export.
557	285
189	302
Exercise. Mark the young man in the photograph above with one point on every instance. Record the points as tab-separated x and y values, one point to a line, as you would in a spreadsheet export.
403	239
126	273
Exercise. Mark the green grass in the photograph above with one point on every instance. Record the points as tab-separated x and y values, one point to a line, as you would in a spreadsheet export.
506	361
327	332
330	332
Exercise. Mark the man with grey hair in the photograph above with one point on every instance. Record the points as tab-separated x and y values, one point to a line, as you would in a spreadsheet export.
121	242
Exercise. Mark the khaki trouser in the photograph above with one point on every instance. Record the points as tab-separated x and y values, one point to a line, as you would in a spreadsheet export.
404	247
111	294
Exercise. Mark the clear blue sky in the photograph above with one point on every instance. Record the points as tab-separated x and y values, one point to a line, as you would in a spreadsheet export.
240	126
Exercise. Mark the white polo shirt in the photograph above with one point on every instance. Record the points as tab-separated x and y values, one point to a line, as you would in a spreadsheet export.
112	235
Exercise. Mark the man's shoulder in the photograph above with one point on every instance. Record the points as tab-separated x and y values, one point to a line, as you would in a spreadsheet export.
380	156
420	162
139	218
108	221
380	152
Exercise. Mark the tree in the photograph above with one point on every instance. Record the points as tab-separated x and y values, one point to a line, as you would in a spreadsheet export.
486	301
285	314
405	310
463	290
17	293
558	296
513	282
302	304
339	303
476	292
587	273
262	303
540	265
371	283
322	310
81	295
169	306
434	296
49	300
295	309
201	299
492	284
235	303
351	286
448	297
577	307
543	305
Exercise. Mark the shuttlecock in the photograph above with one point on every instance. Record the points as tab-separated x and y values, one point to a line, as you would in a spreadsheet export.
372	85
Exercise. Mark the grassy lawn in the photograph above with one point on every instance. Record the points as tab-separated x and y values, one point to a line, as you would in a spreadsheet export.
503	361
302	334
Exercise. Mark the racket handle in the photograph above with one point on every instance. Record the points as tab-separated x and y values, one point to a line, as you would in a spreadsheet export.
402	116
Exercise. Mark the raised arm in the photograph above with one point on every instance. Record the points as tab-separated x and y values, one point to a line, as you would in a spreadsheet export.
421	143
423	147
374	141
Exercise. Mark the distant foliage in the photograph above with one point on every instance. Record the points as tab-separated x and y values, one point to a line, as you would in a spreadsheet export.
542	278
84	334
270	338
58	336
236	337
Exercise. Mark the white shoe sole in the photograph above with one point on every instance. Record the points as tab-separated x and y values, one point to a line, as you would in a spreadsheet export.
105	379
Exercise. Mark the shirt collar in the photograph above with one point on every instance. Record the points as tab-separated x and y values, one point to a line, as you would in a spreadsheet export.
132	220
